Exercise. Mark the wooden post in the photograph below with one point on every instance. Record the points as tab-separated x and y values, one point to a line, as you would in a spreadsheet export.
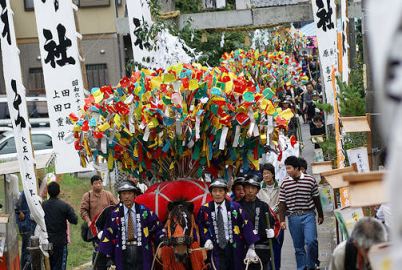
336	192
36	254
369	143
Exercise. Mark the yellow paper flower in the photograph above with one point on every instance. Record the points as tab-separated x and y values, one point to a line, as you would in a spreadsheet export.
236	229
105	240
146	232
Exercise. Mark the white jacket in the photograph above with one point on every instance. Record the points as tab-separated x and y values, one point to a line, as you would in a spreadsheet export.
270	195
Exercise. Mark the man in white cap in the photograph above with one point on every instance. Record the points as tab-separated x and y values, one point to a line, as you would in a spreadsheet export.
258	212
128	233
226	231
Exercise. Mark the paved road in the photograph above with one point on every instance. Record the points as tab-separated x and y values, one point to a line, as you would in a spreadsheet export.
326	231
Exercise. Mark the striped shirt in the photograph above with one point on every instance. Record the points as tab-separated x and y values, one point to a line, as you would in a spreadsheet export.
298	195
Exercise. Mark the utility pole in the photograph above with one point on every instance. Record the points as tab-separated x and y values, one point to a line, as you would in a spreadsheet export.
120	44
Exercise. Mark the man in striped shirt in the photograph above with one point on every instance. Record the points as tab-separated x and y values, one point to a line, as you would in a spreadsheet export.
298	199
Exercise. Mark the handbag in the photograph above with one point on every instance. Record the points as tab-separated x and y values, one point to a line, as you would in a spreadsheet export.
86	233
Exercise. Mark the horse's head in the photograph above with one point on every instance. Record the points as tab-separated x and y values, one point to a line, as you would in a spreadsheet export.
179	228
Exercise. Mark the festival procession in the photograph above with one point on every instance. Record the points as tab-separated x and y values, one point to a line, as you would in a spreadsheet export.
200	134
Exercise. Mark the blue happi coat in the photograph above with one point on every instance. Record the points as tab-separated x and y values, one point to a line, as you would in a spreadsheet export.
241	234
149	230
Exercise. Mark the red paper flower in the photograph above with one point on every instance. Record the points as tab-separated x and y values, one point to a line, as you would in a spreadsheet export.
122	108
185	83
98	135
125	82
85	126
77	145
107	90
293	140
242	118
73	117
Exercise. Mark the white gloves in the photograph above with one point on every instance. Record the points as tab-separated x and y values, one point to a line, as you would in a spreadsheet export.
251	255
208	245
270	233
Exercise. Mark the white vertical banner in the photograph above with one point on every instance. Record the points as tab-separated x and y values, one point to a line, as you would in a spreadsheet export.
19	115
139	17
324	12
384	21
345	43
62	73
165	50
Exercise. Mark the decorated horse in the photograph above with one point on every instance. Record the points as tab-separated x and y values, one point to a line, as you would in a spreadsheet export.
182	247
176	204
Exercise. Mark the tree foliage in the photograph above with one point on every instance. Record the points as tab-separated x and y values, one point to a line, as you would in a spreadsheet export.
212	50
188	6
352	100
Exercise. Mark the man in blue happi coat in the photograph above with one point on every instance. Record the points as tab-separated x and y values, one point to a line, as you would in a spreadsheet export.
226	231
129	233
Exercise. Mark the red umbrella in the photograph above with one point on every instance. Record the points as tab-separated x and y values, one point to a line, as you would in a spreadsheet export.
158	196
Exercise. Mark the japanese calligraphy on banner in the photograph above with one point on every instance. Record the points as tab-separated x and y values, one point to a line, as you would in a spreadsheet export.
345	43
140	19
324	12
360	157
62	74
165	50
19	116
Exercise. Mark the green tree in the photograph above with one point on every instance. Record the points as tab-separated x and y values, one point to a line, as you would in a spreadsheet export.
352	100
188	6
212	50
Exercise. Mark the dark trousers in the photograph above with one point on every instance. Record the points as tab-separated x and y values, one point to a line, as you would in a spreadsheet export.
265	256
223	258
58	258
132	258
277	244
25	256
101	262
95	245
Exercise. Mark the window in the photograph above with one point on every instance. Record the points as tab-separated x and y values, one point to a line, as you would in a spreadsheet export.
94	3
8	147
29	5
97	75
41	141
36	81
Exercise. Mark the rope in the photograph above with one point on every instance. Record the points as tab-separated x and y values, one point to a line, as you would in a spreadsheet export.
212	260
196	249
156	255
246	261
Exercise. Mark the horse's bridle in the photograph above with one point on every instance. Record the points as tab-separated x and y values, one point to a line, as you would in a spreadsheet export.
184	240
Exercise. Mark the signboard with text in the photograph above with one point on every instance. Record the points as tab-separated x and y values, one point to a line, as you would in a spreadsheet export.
62	75
324	12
